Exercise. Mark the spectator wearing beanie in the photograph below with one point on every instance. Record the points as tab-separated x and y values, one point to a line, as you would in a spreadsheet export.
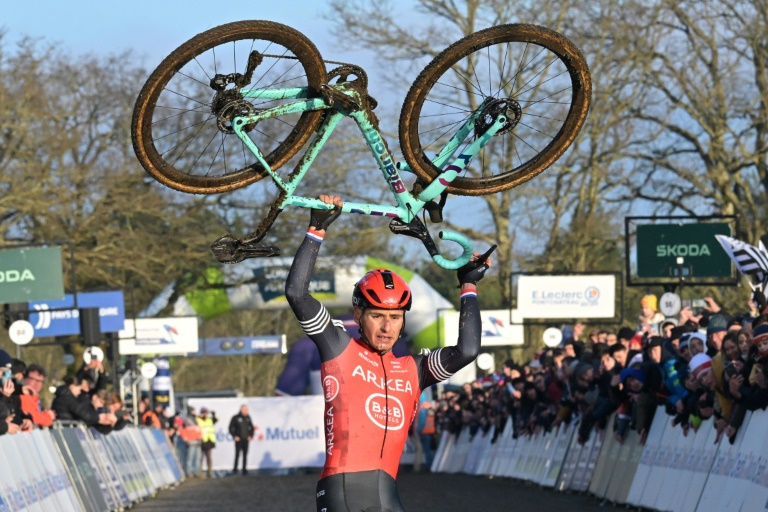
625	336
717	328
649	318
701	369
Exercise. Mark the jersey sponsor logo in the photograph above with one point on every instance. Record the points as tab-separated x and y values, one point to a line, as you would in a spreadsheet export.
331	387
391	418
401	385
329	435
371	361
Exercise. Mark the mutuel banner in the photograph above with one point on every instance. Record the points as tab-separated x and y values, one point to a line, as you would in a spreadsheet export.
170	335
52	318
30	273
582	296
289	432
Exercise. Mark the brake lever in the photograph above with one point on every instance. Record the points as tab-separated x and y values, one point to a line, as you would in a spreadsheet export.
484	257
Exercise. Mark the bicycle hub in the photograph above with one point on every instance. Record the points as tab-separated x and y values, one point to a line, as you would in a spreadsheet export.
508	107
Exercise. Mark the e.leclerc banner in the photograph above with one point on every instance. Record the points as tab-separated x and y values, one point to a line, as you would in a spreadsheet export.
574	296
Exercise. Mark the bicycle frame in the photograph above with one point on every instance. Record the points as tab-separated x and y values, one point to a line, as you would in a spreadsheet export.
408	205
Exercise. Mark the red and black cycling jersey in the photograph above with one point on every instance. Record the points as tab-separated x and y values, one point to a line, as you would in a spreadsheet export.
370	398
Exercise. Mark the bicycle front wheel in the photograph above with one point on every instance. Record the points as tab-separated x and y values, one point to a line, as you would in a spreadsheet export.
536	77
181	127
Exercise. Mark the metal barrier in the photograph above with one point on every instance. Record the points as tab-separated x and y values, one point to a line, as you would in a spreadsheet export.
72	468
671	472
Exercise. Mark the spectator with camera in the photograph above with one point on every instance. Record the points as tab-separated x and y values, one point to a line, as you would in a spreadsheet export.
71	403
12	370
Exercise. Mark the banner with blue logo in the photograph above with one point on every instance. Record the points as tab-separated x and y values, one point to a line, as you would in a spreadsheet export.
234	346
52	318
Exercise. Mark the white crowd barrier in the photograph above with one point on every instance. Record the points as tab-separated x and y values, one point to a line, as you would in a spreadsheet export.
671	472
74	469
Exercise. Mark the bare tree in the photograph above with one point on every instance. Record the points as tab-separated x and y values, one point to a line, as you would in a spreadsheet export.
700	129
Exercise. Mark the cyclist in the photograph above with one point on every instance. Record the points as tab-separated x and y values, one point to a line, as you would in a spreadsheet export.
371	396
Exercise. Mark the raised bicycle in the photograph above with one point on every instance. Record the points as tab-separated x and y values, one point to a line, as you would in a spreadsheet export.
234	103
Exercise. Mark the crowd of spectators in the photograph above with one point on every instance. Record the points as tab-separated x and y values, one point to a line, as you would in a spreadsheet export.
82	397
696	366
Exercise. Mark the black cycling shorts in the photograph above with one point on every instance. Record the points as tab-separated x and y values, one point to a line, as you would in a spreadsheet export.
365	491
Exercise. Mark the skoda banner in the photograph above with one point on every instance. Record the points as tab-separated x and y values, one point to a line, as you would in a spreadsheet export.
581	296
31	273
660	245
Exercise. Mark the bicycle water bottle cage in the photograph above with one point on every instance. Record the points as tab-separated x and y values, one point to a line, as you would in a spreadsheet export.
228	249
415	229
507	107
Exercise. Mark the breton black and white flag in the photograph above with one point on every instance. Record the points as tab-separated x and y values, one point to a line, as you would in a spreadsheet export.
751	261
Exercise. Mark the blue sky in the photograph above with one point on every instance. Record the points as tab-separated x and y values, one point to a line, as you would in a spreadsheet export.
151	28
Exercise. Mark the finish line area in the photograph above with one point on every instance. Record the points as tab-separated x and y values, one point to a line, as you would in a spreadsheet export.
424	492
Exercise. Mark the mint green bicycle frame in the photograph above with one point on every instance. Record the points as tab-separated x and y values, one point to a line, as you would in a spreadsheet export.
408	206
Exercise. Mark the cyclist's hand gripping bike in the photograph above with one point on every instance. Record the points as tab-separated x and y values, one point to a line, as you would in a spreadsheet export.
234	103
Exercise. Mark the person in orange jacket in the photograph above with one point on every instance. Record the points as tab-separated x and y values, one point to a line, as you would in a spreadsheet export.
34	378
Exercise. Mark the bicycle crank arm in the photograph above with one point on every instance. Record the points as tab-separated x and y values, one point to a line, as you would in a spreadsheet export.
228	249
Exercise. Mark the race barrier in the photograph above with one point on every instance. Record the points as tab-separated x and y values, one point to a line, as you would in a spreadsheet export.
71	468
671	472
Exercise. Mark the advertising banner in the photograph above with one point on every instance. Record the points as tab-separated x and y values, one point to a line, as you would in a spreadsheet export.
170	335
567	296
66	322
288	431
243	345
659	246
31	273
496	328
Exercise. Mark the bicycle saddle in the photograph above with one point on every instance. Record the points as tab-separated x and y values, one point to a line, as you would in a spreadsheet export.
228	249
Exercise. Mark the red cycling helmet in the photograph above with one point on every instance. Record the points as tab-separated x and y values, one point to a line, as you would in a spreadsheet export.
382	289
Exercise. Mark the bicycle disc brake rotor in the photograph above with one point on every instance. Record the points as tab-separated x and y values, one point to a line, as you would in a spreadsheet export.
508	107
229	104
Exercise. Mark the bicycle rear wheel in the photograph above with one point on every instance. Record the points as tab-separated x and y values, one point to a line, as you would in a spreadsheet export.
181	127
535	76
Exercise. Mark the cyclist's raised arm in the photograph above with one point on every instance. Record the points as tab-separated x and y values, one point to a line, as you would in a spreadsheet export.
311	314
442	363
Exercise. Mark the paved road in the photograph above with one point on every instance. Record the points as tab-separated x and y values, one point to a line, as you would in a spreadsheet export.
422	492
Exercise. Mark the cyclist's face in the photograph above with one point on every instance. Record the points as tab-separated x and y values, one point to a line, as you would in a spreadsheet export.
381	327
